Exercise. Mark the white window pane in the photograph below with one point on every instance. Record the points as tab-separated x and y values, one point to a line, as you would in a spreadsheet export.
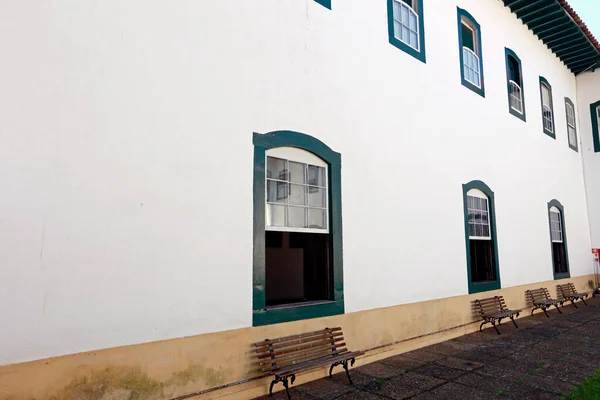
414	40
485	230
297	172
471	230
316	219
316	175
396	10
412	22
297	217
397	30
276	168
404	15
276	192
297	195
404	33
317	197
275	215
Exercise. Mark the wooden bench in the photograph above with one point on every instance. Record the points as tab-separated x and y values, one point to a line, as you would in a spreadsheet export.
287	356
569	293
540	298
493	309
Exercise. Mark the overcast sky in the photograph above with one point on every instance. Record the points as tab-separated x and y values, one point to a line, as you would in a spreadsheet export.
589	11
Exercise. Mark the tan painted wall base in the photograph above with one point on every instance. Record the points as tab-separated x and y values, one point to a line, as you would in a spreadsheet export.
179	367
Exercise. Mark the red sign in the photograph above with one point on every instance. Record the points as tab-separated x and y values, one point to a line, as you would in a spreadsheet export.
596	253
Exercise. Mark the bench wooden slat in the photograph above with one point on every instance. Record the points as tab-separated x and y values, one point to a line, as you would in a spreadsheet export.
494	309
319	362
281	352
302	360
296	342
300	336
280	359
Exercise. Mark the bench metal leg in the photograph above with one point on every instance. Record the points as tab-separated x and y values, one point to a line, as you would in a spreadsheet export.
558	308
583	299
512	318
481	326
544	310
573	302
345	364
335	364
287	389
495	327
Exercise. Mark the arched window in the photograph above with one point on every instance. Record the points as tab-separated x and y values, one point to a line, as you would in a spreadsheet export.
547	107
595	114
514	84
297	229
480	237
471	59
405	26
558	240
571	125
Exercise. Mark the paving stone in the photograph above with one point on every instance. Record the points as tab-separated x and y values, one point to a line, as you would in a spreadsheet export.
521	392
494	371
501	349
569	372
459	363
419	381
393	389
422	355
446	348
327	388
401	363
281	395
358	379
379	370
359	395
549	385
440	371
483	382
477	356
455	391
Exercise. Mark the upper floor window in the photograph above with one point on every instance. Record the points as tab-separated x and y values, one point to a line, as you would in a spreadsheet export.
595	114
297	229
480	236
558	240
405	26
547	107
514	77
325	3
469	39
571	127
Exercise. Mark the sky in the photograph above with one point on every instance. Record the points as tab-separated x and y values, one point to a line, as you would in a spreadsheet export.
589	11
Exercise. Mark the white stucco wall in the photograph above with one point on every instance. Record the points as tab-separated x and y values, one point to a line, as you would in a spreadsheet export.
126	159
588	92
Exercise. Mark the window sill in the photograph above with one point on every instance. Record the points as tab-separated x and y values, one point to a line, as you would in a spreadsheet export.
295	312
478	287
549	133
562	275
517	114
479	90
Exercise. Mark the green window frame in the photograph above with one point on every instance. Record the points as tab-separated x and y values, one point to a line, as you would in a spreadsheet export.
470	52
325	3
549	132
571	124
510	87
594	110
261	315
475	287
559	206
419	53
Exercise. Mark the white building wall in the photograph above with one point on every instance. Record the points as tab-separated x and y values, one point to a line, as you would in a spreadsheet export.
126	159
588	92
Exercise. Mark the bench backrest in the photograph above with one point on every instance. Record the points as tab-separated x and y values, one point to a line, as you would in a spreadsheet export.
567	289
490	305
536	295
274	354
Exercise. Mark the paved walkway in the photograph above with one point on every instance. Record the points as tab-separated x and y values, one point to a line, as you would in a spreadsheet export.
541	359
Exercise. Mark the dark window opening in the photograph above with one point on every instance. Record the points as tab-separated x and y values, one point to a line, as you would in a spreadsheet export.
558	255
482	261
410	3
513	70
297	268
468	39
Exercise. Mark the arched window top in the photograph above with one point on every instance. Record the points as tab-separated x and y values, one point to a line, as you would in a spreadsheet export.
554	209
297	140
481	186
477	193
